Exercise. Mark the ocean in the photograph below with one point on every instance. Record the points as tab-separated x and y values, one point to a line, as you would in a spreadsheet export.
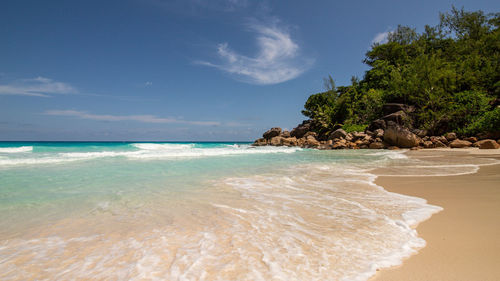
206	211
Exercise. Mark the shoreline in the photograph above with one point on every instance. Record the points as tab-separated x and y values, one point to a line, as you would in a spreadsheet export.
462	240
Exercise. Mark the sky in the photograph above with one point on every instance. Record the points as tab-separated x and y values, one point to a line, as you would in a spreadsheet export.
183	70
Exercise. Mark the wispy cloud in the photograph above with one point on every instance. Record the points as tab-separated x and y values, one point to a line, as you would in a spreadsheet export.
37	87
380	38
138	118
277	59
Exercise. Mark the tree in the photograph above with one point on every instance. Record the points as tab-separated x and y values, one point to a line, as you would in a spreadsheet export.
449	73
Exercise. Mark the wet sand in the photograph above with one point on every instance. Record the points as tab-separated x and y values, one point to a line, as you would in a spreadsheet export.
463	240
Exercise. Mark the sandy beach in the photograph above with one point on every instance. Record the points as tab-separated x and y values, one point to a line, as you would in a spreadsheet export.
463	240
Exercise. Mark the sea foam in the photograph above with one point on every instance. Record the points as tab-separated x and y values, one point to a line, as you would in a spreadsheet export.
142	151
16	149
333	214
163	146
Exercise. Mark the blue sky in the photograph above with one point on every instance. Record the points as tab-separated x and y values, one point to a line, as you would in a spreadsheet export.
183	69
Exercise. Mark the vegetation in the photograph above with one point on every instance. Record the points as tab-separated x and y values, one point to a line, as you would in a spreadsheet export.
449	73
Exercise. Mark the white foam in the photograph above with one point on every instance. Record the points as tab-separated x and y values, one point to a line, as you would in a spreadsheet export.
163	146
148	151
432	171
414	217
16	149
204	152
59	158
390	154
33	161
344	205
100	154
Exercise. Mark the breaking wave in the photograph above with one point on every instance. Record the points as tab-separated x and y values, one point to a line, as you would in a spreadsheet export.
138	151
16	149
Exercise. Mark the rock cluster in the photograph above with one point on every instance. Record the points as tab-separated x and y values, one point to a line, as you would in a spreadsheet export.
390	132
394	137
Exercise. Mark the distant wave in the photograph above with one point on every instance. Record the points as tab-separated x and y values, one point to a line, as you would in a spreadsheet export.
159	151
162	146
16	149
147	151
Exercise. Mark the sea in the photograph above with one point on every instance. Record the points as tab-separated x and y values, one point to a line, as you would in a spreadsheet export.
207	211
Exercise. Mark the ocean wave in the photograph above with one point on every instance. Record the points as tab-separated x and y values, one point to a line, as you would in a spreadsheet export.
147	151
163	146
390	154
16	149
323	215
33	161
97	154
204	152
434	168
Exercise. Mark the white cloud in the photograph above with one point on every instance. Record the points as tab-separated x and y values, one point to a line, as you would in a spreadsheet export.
138	118
38	87
381	38
148	83
277	59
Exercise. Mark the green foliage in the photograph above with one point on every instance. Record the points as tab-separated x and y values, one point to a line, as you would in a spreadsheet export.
331	109
354	128
488	122
466	108
329	84
403	35
448	73
464	24
319	107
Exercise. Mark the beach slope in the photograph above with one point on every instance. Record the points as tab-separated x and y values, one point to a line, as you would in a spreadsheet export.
463	240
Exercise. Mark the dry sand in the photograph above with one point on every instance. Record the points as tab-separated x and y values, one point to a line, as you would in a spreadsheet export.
463	240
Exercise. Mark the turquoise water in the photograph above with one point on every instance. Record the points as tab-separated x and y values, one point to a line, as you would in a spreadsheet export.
203	211
38	179
34	174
